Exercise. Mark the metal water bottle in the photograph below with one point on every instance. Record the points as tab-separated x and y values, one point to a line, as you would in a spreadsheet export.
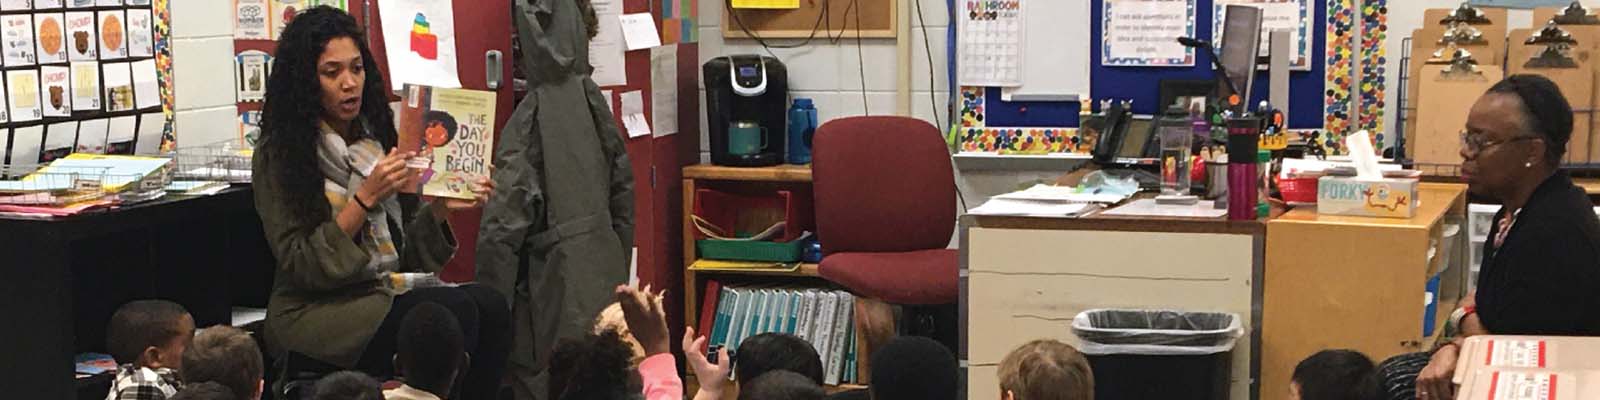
802	126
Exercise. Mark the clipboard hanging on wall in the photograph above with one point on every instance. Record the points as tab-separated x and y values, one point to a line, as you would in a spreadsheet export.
1447	94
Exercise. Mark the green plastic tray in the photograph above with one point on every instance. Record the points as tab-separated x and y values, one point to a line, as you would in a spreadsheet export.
750	250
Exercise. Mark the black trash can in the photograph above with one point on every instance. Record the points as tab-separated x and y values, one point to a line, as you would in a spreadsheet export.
1158	354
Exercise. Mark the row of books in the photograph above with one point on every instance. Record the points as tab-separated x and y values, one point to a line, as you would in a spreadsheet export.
824	318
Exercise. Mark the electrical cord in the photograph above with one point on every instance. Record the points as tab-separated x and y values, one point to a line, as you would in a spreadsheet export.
767	46
933	97
861	59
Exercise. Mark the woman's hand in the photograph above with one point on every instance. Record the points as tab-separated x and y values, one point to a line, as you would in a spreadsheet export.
388	177
442	207
713	377
1434	382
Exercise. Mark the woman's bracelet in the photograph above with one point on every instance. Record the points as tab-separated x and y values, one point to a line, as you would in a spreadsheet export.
363	204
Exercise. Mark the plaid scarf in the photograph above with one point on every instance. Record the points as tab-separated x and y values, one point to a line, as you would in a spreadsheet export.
344	167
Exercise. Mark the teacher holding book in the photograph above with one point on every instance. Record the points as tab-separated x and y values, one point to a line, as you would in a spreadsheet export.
327	184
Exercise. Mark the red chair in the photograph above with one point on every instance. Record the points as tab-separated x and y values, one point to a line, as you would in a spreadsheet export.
885	210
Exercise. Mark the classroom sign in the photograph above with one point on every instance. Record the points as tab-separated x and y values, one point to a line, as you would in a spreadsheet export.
1144	33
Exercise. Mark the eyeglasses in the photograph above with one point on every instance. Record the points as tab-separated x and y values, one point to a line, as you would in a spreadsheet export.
1475	144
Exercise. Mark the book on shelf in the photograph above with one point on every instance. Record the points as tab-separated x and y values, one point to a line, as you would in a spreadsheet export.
835	355
824	318
708	308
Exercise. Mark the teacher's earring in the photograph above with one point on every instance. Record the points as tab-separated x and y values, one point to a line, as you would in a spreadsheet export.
1527	165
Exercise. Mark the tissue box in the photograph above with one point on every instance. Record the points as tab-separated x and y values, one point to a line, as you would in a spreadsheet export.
1384	197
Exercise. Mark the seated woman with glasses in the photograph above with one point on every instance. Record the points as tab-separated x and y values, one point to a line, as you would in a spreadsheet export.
1541	266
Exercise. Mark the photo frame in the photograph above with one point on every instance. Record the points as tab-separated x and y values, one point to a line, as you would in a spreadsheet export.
1192	90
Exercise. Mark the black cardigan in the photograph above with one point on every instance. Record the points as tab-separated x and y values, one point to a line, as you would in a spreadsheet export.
1545	280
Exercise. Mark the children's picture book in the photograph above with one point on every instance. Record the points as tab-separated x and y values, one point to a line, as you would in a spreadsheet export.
452	132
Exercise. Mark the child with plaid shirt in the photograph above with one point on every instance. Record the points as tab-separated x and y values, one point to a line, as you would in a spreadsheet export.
148	338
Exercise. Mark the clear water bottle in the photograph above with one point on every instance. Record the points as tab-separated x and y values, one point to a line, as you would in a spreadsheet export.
802	126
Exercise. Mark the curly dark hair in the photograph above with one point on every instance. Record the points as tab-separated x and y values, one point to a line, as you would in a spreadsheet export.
444	119
594	366
293	106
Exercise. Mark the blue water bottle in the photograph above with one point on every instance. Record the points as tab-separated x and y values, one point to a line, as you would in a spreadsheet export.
802	126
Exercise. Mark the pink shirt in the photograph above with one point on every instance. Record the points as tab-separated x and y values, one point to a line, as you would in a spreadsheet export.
660	375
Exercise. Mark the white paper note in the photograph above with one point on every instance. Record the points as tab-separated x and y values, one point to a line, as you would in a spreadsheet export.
664	89
151	127
633	114
611	104
141	40
122	134
113	35
23	87
108	3
284	11
91	135
48	4
1142	32
52	37
146	93
17	33
57	90
82	41
421	41
606	48
16	5
86	86
80	3
118	86
250	20
27	144
63	129
59	144
253	68
639	30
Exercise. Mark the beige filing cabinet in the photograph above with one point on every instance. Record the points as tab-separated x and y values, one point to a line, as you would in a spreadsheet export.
1026	278
1335	282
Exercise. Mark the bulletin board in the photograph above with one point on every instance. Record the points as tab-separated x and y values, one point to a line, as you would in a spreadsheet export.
1324	97
88	76
256	27
874	18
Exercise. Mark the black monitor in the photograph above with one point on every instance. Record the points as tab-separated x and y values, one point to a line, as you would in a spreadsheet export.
1241	43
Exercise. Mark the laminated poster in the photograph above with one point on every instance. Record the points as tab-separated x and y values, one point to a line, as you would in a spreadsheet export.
52	38
113	35
82	44
284	11
141	40
86	86
254	67
250	19
56	90
17	33
16	5
420	36
23	89
146	92
118	86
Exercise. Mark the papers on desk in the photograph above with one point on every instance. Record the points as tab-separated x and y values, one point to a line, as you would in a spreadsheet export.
1032	208
1061	194
1149	208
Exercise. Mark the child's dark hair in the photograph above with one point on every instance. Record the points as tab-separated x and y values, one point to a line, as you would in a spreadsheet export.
444	119
142	324
347	385
759	354
1335	375
225	355
595	366
204	391
912	367
781	385
430	347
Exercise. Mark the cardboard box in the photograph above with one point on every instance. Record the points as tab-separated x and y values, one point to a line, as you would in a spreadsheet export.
1518	384
1532	367
1383	197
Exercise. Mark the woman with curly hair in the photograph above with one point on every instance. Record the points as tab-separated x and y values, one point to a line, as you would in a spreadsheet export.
327	182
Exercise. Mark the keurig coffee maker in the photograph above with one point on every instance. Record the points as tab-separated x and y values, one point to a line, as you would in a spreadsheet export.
746	96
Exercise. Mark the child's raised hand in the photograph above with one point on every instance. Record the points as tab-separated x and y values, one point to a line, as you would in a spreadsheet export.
713	377
647	319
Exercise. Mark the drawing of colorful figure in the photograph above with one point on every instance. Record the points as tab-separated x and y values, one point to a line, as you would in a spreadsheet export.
439	129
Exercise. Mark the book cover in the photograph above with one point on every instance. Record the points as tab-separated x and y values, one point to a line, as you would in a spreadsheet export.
808	305
16	32
113	35
823	325
82	42
141	40
452	131
758	314
835	356
52	40
709	306
736	318
781	318
795	302
719	329
23	88
56	85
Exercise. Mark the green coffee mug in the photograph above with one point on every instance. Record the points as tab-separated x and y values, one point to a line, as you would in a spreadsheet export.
746	138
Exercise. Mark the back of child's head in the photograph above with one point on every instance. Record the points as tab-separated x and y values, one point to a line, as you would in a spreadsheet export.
781	385
143	324
1045	370
914	368
225	355
429	348
204	391
1334	375
611	318
347	385
759	354
594	366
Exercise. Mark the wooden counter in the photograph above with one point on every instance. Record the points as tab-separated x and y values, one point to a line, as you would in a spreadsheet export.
1336	282
1026	278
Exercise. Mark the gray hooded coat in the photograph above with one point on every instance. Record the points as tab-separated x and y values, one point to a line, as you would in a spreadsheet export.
558	229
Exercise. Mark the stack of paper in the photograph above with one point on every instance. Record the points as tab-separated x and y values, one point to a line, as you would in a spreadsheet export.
196	188
824	318
1032	208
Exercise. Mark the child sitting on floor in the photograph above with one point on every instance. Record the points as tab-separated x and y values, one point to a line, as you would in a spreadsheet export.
429	355
347	385
1045	370
598	365
204	391
781	385
914	368
227	356
1334	375
147	337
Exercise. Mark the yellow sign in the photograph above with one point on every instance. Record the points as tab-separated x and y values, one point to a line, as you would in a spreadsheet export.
767	4
1274	142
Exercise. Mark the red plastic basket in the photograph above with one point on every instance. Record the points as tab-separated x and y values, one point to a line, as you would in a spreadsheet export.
1298	190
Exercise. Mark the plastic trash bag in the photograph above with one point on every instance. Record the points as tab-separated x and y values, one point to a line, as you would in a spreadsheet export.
1156	332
